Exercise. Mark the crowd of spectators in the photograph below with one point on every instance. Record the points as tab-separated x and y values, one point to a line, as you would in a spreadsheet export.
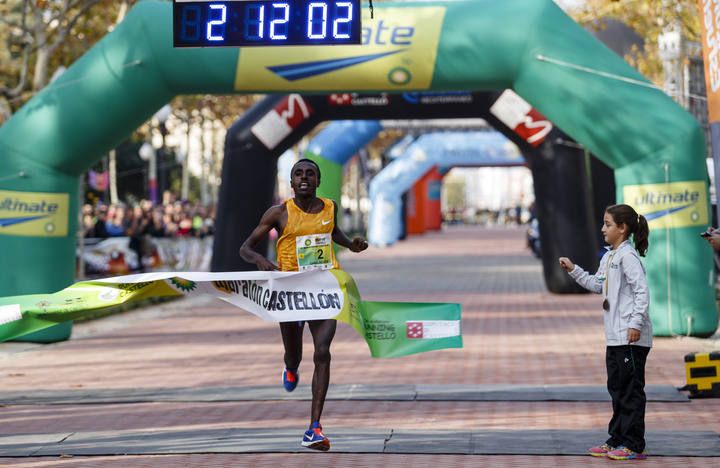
172	219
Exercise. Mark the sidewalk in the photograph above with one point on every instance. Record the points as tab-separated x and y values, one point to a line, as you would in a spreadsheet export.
515	333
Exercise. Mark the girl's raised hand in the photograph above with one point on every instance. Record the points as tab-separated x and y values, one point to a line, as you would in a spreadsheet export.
566	264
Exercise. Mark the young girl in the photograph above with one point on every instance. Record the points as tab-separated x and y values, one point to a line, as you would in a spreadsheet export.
628	331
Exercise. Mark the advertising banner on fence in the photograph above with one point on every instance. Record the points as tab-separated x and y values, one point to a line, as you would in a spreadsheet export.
113	256
390	329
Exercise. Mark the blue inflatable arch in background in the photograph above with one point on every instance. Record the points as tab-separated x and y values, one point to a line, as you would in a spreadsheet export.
449	149
242	202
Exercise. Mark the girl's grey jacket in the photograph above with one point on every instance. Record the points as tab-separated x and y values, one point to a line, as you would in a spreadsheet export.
627	293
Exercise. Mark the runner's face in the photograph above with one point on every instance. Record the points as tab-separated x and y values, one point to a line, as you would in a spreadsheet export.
304	179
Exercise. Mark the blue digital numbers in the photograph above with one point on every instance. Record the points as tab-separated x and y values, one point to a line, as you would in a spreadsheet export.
342	24
254	22
277	27
233	23
216	26
317	20
279	24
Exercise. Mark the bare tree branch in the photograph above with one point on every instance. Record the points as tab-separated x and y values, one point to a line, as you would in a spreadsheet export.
62	34
11	93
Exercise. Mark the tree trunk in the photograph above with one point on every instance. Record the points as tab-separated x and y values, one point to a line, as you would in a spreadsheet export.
42	57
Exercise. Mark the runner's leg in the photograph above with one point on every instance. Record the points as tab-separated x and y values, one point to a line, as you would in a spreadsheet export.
292	341
323	332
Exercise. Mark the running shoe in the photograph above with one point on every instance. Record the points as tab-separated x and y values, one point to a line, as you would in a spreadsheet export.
624	453
315	439
290	379
600	450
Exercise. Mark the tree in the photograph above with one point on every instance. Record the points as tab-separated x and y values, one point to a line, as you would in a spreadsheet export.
649	19
40	36
44	35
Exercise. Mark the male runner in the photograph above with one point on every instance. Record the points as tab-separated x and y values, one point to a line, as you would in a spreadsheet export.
306	227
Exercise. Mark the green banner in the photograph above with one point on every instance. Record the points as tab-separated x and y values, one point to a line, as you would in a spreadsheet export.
390	329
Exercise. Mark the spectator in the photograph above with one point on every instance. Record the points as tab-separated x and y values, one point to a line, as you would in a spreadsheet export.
712	235
172	219
100	228
116	224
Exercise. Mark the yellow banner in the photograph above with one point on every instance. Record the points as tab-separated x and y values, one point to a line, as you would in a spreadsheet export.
674	205
710	15
34	214
398	52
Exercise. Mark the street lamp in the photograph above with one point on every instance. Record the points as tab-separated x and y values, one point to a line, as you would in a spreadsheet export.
161	117
147	153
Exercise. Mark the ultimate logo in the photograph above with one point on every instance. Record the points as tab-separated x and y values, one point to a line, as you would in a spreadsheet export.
672	205
183	284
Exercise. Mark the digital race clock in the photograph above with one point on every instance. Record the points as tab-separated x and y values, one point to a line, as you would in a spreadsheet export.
242	23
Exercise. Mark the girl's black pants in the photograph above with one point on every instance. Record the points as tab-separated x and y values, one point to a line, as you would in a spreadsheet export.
626	384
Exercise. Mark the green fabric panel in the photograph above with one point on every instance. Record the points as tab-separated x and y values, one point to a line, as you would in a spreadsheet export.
386	330
331	178
330	185
53	334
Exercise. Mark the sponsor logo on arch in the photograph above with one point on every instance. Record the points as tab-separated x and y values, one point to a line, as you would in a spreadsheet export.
672	205
521	118
280	122
398	52
33	214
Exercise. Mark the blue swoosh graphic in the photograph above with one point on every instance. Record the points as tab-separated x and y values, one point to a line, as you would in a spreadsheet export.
412	98
10	221
298	71
661	213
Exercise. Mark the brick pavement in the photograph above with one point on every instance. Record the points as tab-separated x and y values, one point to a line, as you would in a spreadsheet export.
514	332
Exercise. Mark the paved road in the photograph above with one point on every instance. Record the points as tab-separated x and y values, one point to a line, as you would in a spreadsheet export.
515	333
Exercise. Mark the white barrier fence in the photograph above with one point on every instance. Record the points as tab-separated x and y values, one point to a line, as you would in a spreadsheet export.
122	255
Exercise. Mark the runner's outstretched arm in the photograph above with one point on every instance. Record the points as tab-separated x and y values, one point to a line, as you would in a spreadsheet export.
357	244
247	252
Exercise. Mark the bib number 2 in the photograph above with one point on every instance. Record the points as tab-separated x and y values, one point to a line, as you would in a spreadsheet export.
314	252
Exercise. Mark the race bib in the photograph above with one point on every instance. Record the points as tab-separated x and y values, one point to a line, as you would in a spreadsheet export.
314	252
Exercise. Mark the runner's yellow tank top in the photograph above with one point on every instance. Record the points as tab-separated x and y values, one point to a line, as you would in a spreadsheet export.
306	241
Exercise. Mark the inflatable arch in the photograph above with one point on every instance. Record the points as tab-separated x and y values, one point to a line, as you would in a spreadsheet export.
252	142
570	215
442	148
534	48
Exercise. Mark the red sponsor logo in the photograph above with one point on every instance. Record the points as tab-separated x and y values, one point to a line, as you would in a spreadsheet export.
340	99
293	110
414	330
534	129
355	99
519	115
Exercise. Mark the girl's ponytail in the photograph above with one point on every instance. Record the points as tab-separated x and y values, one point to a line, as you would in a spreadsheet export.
640	236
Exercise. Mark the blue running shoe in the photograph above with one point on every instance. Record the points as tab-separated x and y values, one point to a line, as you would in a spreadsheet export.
290	379
315	439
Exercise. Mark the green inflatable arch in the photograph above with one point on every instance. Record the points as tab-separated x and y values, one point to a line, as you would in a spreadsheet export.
656	148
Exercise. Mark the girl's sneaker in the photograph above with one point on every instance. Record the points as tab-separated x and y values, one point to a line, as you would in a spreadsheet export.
315	439
624	453
600	450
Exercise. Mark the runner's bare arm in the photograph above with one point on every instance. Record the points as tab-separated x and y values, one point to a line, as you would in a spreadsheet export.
357	244
268	222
